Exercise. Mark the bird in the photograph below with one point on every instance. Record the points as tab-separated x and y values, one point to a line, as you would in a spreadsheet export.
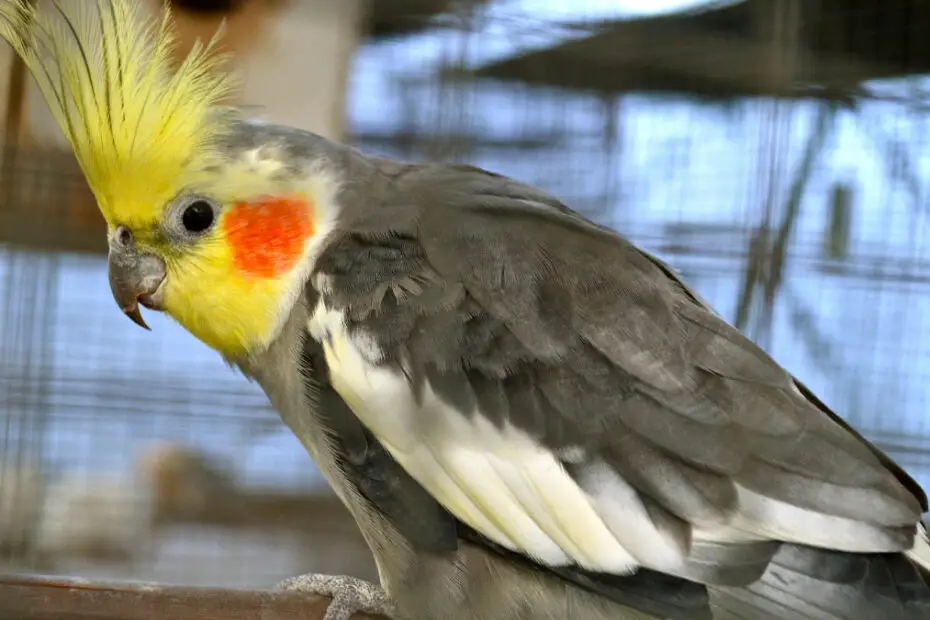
189	486
101	515
107	515
527	416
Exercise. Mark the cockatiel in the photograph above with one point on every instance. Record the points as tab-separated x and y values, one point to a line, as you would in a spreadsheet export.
528	417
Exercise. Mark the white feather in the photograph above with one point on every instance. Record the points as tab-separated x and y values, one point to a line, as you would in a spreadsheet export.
517	493
778	520
920	552
499	481
624	513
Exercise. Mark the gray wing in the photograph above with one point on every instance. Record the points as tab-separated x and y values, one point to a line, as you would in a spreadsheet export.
504	302
394	493
816	584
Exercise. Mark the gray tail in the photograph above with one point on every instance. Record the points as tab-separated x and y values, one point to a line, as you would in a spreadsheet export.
805	583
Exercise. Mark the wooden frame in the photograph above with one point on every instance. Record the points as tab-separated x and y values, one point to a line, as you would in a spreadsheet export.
25	597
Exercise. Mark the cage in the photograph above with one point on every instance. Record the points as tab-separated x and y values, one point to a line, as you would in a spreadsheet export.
770	150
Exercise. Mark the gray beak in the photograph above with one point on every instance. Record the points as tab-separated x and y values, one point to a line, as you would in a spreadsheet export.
134	277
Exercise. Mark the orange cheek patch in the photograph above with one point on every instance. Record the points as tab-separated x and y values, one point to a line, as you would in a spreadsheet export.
267	236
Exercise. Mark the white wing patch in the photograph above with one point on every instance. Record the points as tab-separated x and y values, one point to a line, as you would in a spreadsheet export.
517	493
498	481
920	552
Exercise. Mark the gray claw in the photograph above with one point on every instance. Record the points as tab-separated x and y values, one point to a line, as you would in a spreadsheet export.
349	595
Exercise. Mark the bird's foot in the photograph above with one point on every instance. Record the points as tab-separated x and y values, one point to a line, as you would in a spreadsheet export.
350	595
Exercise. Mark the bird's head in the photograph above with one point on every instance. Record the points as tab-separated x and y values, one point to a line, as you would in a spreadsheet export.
207	221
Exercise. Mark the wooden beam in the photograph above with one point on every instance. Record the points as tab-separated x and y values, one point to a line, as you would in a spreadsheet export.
24	597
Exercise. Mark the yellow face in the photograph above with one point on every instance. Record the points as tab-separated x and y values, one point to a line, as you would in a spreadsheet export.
226	262
210	237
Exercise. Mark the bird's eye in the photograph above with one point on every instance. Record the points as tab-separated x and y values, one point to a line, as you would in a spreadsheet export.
197	216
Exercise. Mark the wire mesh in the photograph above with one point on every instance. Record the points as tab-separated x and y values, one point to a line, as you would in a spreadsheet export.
769	150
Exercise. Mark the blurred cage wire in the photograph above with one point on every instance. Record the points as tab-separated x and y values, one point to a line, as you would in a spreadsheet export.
771	150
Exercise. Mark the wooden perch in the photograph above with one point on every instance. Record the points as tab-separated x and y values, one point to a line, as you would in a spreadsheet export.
26	597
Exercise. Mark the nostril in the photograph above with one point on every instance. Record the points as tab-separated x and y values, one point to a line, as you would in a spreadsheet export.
124	237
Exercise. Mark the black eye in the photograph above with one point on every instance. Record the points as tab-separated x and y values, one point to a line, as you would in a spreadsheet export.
198	216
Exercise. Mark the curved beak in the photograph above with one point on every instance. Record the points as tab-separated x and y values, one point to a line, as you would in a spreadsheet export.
135	278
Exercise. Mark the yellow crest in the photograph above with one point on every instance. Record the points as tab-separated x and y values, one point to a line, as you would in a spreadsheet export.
140	129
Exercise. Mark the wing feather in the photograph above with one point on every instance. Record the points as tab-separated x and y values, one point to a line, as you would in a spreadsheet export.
696	450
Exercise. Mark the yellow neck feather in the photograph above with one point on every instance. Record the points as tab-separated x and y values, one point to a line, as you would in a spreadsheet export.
226	310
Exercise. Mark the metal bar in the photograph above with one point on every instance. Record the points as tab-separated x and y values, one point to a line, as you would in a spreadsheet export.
28	597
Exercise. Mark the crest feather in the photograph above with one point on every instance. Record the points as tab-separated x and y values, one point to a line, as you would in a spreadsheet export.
140	128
